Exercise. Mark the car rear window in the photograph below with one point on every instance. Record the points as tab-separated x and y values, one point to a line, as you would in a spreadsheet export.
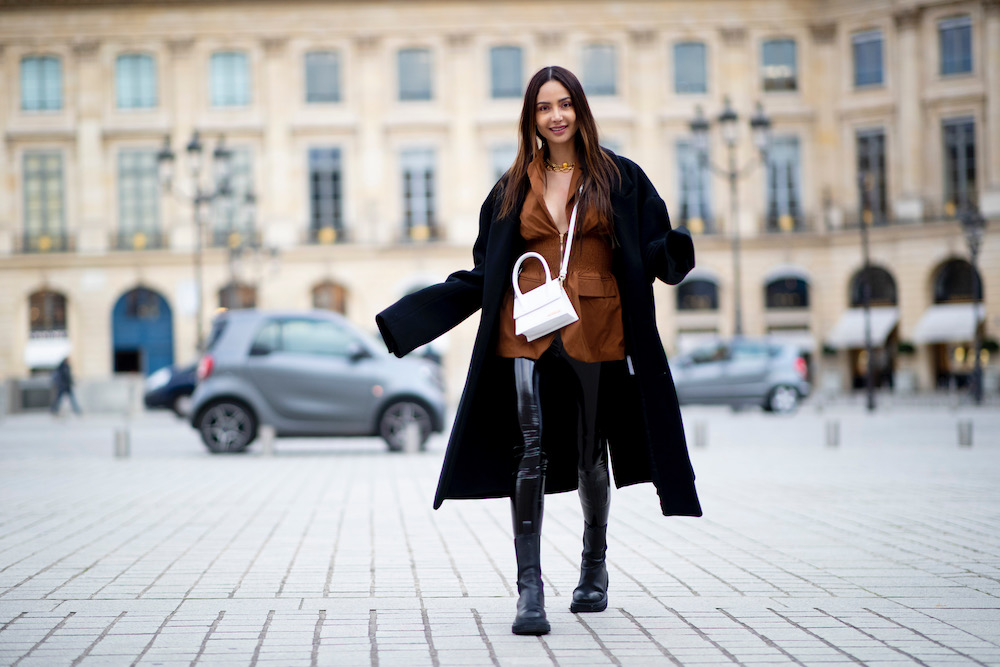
217	328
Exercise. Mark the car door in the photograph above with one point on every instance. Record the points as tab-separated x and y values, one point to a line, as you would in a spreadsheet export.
310	371
701	378
747	370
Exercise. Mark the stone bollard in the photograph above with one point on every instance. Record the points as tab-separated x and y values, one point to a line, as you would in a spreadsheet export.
267	435
411	438
965	433
833	433
700	434
122	445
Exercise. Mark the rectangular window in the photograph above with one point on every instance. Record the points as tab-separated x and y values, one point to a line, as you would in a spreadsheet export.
322	76
871	163
44	207
694	183
867	58
599	69
418	194
41	83
784	185
780	71
230	72
690	74
415	74
505	71
955	37
959	165
502	157
325	195
135	81
138	200
233	221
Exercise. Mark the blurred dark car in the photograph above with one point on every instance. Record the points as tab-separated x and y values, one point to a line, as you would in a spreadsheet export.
171	388
743	372
310	373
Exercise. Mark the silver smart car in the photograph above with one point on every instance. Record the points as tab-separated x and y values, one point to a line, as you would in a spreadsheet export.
743	372
309	374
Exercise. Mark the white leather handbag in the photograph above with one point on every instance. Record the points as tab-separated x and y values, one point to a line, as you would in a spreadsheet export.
546	308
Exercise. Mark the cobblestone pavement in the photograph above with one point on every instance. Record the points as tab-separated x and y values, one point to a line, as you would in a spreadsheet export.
882	550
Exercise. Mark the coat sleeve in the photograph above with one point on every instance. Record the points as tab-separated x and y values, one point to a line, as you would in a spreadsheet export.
667	254
419	318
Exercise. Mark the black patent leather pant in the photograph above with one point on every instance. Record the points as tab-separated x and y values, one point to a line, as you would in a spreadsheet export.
582	381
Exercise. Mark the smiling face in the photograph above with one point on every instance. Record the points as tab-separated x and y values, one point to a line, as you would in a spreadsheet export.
555	119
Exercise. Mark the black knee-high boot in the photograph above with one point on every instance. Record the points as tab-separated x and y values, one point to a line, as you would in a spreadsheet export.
526	506
591	593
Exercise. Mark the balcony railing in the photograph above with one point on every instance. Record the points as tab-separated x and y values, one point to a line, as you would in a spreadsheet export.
32	242
327	235
144	240
233	238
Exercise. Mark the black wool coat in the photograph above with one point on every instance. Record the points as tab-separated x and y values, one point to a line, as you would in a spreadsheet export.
645	433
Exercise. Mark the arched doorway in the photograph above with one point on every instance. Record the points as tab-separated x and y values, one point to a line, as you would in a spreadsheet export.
883	320
329	295
949	326
142	332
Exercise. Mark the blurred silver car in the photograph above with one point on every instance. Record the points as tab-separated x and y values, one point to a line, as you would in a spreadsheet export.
741	372
309	374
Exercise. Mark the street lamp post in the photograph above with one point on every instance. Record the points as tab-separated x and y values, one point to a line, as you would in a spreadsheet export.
864	214
974	225
199	198
728	121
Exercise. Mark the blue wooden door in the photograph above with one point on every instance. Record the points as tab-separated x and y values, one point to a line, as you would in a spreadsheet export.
142	332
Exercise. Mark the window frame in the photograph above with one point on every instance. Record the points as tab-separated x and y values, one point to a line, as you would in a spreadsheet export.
954	27
770	45
420	188
145	92
408	93
874	137
45	89
225	77
683	45
688	162
498	92
964	190
142	214
51	223
323	215
859	41
335	64
592	86
791	205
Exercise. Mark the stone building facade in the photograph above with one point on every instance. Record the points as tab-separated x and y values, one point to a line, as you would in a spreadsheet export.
364	137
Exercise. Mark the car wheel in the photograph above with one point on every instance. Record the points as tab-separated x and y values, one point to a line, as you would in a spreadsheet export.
783	399
396	421
227	427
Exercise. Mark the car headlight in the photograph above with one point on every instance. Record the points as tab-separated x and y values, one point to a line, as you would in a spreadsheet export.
158	379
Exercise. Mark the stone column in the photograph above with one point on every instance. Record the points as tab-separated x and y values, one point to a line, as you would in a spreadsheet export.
647	146
909	205
373	225
989	200
461	199
823	97
180	102
274	199
92	214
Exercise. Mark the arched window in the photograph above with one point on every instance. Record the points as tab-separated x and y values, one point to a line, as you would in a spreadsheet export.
330	296
237	295
787	292
953	282
883	287
47	313
697	294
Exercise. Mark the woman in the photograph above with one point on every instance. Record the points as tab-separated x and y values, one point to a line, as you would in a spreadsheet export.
539	417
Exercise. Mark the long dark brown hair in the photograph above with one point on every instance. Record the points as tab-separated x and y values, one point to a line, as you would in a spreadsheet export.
598	169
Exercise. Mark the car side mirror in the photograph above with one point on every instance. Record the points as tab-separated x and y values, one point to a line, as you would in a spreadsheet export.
356	352
260	351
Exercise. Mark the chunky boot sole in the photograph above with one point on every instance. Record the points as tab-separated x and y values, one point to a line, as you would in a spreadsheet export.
532	626
583	607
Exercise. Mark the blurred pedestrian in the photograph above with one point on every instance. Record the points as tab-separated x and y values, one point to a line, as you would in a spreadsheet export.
539	416
62	384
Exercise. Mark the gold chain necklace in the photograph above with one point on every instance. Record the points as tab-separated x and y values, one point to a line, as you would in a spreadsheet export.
564	167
